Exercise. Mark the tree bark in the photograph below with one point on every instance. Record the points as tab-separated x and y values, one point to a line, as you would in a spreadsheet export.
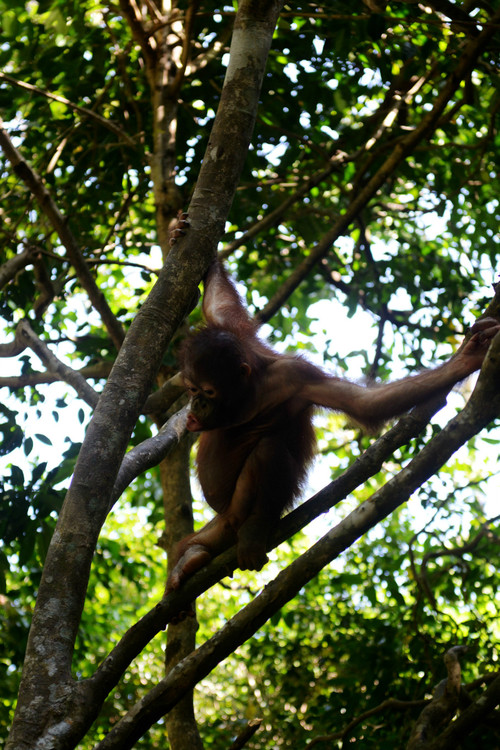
182	729
53	708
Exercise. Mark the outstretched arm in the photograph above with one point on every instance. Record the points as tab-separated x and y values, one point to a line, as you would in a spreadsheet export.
374	405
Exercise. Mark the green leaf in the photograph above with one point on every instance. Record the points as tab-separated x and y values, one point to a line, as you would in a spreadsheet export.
10	23
43	439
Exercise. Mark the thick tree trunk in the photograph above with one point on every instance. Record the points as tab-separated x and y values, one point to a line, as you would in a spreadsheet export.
53	709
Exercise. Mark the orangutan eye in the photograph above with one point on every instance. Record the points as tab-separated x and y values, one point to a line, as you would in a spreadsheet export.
191	388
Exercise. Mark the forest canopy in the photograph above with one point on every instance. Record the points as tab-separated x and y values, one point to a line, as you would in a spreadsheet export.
343	163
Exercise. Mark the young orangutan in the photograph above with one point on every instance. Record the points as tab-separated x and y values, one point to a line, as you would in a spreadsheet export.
253	408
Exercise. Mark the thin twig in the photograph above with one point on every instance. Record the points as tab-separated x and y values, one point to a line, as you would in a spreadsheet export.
60	224
108	124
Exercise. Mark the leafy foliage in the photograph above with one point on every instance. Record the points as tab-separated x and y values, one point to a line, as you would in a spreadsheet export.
345	92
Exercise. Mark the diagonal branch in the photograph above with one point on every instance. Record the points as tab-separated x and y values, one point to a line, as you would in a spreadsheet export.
162	399
108	124
400	92
55	366
402	148
150	452
273	217
60	224
187	41
132	15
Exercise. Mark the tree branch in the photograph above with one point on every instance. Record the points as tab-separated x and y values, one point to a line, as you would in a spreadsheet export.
162	399
11	267
401	149
150	452
390	704
108	124
94	372
274	216
61	227
247	734
443	706
55	366
189	18
132	15
468	720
